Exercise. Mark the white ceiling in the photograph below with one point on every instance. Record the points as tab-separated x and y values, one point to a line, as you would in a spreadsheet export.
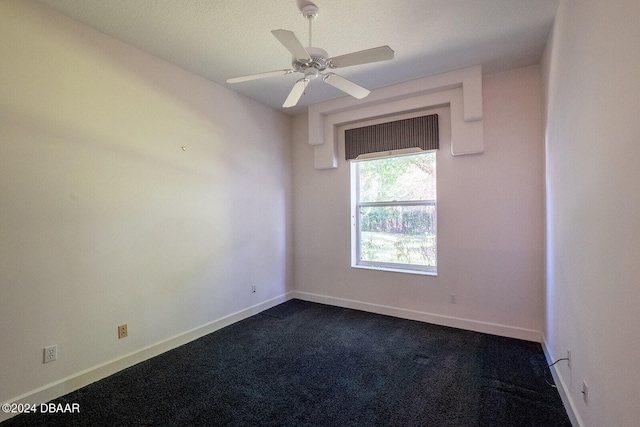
219	39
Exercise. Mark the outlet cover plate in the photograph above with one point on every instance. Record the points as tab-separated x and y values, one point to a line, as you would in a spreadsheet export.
122	331
50	353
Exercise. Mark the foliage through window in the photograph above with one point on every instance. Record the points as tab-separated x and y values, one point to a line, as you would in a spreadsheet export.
394	213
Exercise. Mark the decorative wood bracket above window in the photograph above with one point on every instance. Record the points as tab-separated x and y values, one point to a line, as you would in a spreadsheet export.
460	89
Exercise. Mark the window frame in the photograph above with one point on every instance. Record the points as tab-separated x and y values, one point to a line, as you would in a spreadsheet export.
356	205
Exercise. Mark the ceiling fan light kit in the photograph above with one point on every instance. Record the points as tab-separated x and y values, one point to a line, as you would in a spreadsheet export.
313	61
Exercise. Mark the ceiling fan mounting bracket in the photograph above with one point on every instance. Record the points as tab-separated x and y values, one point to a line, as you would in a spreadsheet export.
309	11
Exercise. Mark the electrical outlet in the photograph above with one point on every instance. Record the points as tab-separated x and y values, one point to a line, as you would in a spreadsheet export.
585	393
452	298
569	358
253	289
122	331
50	353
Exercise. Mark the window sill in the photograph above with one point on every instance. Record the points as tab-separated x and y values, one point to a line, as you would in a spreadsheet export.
395	269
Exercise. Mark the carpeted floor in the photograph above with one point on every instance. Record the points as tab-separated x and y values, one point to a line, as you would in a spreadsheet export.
307	364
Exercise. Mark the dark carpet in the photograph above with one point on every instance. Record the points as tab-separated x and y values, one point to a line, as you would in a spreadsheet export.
307	364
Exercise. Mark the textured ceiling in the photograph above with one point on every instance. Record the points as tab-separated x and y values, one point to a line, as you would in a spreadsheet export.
219	39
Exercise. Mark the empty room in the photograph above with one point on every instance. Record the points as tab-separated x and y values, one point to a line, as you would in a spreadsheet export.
319	213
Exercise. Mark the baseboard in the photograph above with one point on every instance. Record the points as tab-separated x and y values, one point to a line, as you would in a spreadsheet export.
84	378
563	390
437	319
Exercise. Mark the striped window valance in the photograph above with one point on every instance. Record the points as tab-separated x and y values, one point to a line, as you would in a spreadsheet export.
418	132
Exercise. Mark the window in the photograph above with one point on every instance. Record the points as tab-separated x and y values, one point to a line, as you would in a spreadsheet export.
394	213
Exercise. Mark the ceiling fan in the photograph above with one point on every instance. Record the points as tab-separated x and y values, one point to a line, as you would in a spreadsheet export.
313	62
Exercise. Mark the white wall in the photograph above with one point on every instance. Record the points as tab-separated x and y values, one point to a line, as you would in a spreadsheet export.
105	220
490	226
593	206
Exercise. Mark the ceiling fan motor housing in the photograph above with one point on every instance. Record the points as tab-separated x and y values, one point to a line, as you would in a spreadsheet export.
318	60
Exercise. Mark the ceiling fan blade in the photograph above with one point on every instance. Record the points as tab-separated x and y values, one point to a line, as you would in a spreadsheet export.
382	53
291	42
296	93
345	85
260	76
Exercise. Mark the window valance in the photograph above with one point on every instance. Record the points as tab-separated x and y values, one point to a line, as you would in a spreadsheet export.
417	132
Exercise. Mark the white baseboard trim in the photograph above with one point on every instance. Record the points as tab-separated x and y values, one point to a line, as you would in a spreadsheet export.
563	391
71	383
437	319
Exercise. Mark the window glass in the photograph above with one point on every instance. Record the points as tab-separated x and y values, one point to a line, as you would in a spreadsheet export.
394	213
